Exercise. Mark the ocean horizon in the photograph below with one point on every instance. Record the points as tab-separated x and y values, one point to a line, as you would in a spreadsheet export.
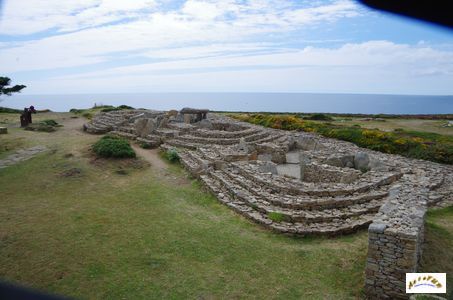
252	102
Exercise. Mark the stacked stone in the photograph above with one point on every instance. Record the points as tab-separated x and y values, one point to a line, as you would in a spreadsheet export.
104	122
395	243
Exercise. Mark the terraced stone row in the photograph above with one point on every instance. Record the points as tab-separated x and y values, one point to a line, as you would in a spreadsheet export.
340	226
301	214
289	186
107	121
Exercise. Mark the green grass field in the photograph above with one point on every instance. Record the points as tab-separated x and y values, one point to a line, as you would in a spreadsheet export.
148	233
431	126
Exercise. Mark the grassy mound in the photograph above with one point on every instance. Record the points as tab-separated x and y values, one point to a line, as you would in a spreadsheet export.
111	146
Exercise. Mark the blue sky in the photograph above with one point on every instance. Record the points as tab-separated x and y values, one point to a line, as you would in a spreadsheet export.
112	46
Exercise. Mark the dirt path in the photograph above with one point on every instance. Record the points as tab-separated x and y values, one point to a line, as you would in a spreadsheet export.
151	156
21	155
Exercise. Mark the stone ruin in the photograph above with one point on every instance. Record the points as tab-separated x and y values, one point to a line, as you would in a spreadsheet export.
314	185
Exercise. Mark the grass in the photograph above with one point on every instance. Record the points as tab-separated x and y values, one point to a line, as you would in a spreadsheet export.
99	234
276	216
438	251
420	125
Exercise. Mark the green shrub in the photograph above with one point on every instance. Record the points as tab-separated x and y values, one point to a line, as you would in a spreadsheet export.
172	155
125	107
115	147
319	117
276	216
145	145
112	108
40	127
87	115
10	110
76	111
50	122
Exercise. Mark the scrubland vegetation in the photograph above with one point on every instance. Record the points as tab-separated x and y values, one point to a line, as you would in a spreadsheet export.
415	144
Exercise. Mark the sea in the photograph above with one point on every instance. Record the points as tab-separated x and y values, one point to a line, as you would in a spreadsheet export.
247	102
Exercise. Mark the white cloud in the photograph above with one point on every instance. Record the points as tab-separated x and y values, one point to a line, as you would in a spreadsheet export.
27	17
375	66
196	23
206	45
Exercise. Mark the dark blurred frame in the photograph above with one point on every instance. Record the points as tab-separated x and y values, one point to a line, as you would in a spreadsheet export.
438	12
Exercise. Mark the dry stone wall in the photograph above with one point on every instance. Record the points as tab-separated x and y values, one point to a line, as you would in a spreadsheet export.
395	243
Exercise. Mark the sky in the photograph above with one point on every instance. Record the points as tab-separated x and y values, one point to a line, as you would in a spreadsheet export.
146	46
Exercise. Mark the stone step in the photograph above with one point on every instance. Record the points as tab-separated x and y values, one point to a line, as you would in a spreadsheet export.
302	229
257	136
206	141
148	142
225	134
303	202
181	144
285	185
261	204
191	164
276	138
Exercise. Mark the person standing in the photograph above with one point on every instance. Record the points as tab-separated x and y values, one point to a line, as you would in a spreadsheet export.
30	111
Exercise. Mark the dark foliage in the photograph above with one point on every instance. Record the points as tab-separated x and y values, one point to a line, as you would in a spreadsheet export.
7	89
115	147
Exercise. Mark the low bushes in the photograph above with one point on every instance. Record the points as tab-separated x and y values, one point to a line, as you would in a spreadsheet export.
10	110
115	147
172	155
44	126
422	145
319	117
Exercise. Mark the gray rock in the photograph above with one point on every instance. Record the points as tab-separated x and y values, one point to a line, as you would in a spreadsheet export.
303	161
279	157
268	167
340	161
242	146
139	126
265	157
334	160
377	228
205	124
149	128
361	161
306	143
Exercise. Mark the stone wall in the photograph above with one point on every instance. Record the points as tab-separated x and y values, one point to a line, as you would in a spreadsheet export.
395	244
324	173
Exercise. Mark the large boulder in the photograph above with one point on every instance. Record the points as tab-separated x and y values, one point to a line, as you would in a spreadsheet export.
362	161
139	125
149	128
341	161
143	127
172	113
